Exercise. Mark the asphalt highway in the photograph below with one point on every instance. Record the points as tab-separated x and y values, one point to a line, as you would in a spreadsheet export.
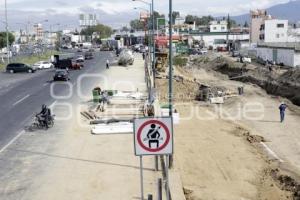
22	95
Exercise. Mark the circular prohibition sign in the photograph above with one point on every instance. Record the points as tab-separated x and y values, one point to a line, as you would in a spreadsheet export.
139	133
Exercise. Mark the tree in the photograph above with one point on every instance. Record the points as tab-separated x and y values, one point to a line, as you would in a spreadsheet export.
103	30
11	39
189	19
175	14
200	21
136	25
156	16
246	25
125	29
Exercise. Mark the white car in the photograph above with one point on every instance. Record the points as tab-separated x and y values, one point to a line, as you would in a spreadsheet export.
247	60
43	65
203	51
80	57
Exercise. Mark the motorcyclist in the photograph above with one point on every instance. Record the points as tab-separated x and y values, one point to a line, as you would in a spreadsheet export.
44	116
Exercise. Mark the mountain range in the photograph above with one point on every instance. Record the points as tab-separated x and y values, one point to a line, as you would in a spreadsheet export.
289	11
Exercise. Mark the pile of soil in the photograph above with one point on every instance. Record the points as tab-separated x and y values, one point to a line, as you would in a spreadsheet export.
287	183
184	91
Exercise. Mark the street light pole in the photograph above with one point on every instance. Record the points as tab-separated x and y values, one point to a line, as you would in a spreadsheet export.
170	71
7	42
153	42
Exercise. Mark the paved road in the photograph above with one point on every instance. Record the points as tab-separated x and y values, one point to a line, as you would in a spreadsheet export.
23	94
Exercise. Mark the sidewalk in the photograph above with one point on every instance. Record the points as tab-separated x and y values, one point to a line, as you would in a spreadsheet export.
89	167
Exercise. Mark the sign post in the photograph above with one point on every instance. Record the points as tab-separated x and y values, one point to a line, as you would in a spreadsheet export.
152	136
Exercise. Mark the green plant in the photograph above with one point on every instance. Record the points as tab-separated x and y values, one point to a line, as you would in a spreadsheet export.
180	61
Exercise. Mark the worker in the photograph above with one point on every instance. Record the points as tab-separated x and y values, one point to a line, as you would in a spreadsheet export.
107	64
282	109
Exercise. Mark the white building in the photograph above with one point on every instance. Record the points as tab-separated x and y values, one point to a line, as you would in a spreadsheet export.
218	26
38	31
274	30
287	54
216	40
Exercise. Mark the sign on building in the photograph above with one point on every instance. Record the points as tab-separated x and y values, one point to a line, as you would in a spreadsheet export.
182	48
153	136
161	23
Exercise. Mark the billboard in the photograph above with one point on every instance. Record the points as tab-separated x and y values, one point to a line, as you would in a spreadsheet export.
144	16
88	20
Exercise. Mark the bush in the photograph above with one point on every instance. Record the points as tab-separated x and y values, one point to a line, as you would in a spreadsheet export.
180	61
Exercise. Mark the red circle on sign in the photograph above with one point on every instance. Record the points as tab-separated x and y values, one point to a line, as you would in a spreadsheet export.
153	122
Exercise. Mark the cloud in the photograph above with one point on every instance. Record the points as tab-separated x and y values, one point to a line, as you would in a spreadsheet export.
120	12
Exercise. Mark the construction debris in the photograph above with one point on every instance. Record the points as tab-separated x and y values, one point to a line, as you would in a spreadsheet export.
113	128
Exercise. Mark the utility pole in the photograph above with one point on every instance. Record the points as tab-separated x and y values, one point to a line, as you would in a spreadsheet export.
7	38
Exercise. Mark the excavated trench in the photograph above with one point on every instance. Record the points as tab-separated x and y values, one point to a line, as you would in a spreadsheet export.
287	85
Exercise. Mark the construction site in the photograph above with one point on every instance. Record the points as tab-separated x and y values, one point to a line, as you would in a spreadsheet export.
221	151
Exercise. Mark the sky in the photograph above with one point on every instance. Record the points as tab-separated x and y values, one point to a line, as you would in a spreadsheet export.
116	13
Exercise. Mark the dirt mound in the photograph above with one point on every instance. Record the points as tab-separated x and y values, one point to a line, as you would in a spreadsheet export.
286	183
184	91
241	132
286	85
291	76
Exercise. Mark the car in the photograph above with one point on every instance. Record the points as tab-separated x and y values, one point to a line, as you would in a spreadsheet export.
19	67
61	75
194	52
43	65
203	51
77	65
235	53
88	56
247	59
81	57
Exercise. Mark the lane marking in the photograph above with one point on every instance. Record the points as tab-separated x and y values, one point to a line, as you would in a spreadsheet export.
51	106
45	84
272	153
12	141
21	100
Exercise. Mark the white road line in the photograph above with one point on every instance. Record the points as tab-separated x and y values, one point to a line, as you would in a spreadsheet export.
45	84
21	100
12	141
272	153
51	106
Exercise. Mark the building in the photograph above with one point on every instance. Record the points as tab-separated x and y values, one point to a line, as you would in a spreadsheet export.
274	30
287	54
38	32
257	19
218	39
218	26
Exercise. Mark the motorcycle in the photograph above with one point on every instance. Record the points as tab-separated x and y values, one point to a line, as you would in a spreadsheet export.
39	124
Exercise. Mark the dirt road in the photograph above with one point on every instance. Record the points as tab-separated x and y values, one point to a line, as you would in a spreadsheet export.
215	153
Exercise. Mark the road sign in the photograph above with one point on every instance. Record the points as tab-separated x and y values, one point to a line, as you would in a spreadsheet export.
153	136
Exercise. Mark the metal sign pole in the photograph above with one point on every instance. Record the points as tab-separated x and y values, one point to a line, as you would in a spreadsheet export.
142	178
170	68
167	178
